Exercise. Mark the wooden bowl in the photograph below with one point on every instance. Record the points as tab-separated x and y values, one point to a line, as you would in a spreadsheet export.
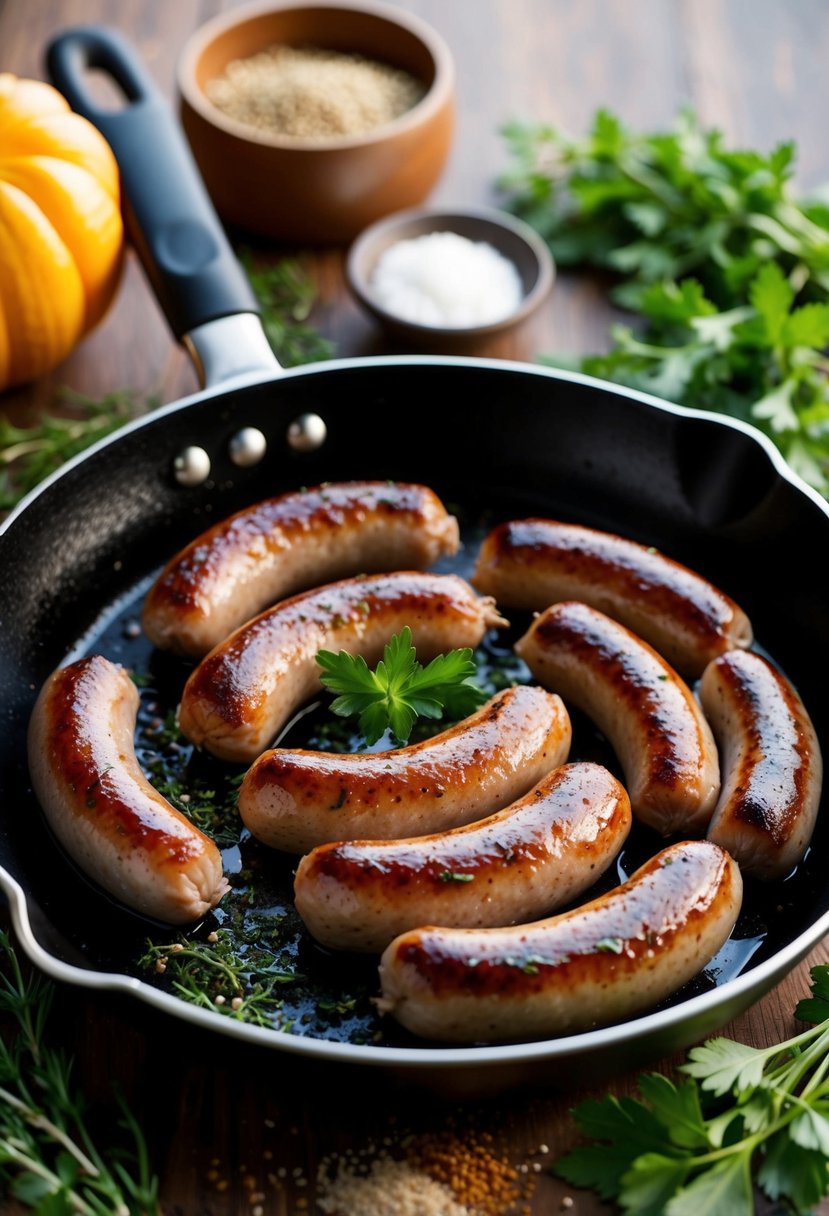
511	237
318	191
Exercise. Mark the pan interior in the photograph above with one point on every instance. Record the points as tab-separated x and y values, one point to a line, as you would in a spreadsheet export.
493	445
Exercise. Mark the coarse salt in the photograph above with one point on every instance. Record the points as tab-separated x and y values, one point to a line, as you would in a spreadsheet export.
445	279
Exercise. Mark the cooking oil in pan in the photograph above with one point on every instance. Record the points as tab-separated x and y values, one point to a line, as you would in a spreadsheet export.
252	958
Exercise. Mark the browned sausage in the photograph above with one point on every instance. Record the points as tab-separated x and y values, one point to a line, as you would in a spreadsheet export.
244	691
535	855
771	761
294	800
615	956
101	807
647	712
532	563
277	547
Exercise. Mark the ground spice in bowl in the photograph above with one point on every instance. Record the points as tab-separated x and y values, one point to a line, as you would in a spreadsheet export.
312	93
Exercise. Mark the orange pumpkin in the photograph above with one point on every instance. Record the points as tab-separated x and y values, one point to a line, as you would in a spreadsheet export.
61	236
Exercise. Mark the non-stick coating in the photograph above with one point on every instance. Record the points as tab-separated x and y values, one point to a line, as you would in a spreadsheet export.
507	438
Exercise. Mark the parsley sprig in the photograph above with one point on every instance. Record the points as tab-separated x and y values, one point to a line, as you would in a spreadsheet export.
400	689
739	1115
725	269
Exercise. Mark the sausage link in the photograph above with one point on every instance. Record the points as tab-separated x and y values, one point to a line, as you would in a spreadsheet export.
649	715
242	693
278	547
771	762
100	806
295	800
531	857
532	563
598	964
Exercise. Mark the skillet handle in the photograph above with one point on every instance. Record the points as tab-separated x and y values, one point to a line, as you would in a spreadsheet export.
170	218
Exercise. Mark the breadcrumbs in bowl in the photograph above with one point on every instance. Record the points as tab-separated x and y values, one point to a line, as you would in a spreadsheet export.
311	121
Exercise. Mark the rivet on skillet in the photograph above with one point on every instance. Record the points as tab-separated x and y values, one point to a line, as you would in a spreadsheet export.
192	466
247	447
307	433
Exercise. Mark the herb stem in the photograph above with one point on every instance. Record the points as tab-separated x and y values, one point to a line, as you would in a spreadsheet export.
210	960
40	1121
13	1151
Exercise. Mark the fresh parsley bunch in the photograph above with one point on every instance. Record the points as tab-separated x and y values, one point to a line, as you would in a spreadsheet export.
400	689
726	271
740	1114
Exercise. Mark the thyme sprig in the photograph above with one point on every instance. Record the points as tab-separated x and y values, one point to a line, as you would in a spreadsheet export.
49	1160
215	975
287	294
29	454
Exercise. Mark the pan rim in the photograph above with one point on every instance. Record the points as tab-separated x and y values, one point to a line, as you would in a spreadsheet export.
256	379
736	993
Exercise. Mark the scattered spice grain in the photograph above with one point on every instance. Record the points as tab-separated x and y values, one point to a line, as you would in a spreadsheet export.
439	1175
484	1182
390	1188
312	93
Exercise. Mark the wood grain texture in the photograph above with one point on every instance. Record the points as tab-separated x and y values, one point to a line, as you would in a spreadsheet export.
217	1115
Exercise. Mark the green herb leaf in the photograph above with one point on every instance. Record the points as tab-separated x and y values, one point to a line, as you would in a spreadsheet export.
815	1008
650	1183
628	1128
400	690
666	1152
287	294
723	1190
728	274
49	1158
677	1107
723	1064
792	1173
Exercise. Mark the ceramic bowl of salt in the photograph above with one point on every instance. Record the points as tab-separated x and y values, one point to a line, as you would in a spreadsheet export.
311	121
449	280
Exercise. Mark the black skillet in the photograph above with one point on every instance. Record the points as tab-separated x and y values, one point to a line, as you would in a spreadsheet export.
499	439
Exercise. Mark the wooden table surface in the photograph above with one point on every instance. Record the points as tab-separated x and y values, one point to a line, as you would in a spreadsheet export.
221	1119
